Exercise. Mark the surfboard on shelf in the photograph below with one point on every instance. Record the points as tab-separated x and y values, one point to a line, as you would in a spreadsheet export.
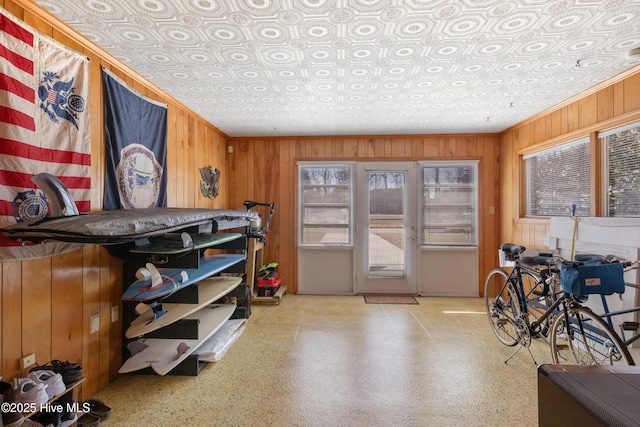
162	355
120	225
174	243
156	283
210	290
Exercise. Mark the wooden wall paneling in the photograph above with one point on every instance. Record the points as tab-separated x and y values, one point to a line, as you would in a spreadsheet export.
337	148
548	127
460	146
588	110
539	129
240	180
172	157
604	104
192	168
107	277
348	148
36	309
91	268
398	148
556	123
223	159
287	215
429	147
201	155
631	91
488	209
363	148
116	289
14	9
508	203
11	319
66	301
301	152
380	148
36	23
179	173
618	99
573	116
253	177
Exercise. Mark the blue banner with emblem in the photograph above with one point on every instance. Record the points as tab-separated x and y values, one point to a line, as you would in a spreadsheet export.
136	147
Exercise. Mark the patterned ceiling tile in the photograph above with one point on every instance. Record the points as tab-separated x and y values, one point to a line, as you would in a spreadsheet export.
312	67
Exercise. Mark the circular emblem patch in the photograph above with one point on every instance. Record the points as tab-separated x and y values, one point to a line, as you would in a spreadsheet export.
28	205
139	175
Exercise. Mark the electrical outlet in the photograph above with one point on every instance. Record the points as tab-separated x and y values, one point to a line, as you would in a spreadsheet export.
95	323
28	361
114	313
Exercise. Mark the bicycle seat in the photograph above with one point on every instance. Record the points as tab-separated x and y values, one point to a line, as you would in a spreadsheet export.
512	248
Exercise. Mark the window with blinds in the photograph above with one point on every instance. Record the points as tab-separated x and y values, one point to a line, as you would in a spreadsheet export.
449	203
558	178
622	166
326	204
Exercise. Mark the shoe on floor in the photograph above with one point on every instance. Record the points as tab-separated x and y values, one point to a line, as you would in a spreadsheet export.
7	394
9	419
98	408
67	417
47	418
88	420
30	391
52	380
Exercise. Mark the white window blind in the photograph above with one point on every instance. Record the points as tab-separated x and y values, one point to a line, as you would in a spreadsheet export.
326	204
558	178
449	203
622	165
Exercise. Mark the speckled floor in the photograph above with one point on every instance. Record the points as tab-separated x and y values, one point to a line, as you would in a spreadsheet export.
336	361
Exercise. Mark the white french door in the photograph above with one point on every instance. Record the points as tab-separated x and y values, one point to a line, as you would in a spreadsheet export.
386	228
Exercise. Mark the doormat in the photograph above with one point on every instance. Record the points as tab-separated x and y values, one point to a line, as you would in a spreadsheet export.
390	299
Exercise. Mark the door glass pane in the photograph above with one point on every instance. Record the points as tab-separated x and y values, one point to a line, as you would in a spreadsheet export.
387	234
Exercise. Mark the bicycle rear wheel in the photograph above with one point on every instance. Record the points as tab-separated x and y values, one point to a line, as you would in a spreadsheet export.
580	337
503	306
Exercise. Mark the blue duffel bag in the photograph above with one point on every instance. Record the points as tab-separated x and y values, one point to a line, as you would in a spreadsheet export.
592	277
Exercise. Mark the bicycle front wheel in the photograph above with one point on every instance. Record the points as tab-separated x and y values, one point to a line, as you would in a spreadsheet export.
580	337
502	305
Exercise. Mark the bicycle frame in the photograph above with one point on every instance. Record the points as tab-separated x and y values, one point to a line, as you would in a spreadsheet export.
515	277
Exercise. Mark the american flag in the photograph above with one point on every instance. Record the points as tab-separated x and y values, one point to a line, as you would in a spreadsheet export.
44	122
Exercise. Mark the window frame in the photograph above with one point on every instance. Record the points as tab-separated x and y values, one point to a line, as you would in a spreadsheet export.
605	181
525	184
350	205
475	205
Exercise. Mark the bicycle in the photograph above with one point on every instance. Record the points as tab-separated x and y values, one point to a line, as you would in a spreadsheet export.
529	288
585	336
